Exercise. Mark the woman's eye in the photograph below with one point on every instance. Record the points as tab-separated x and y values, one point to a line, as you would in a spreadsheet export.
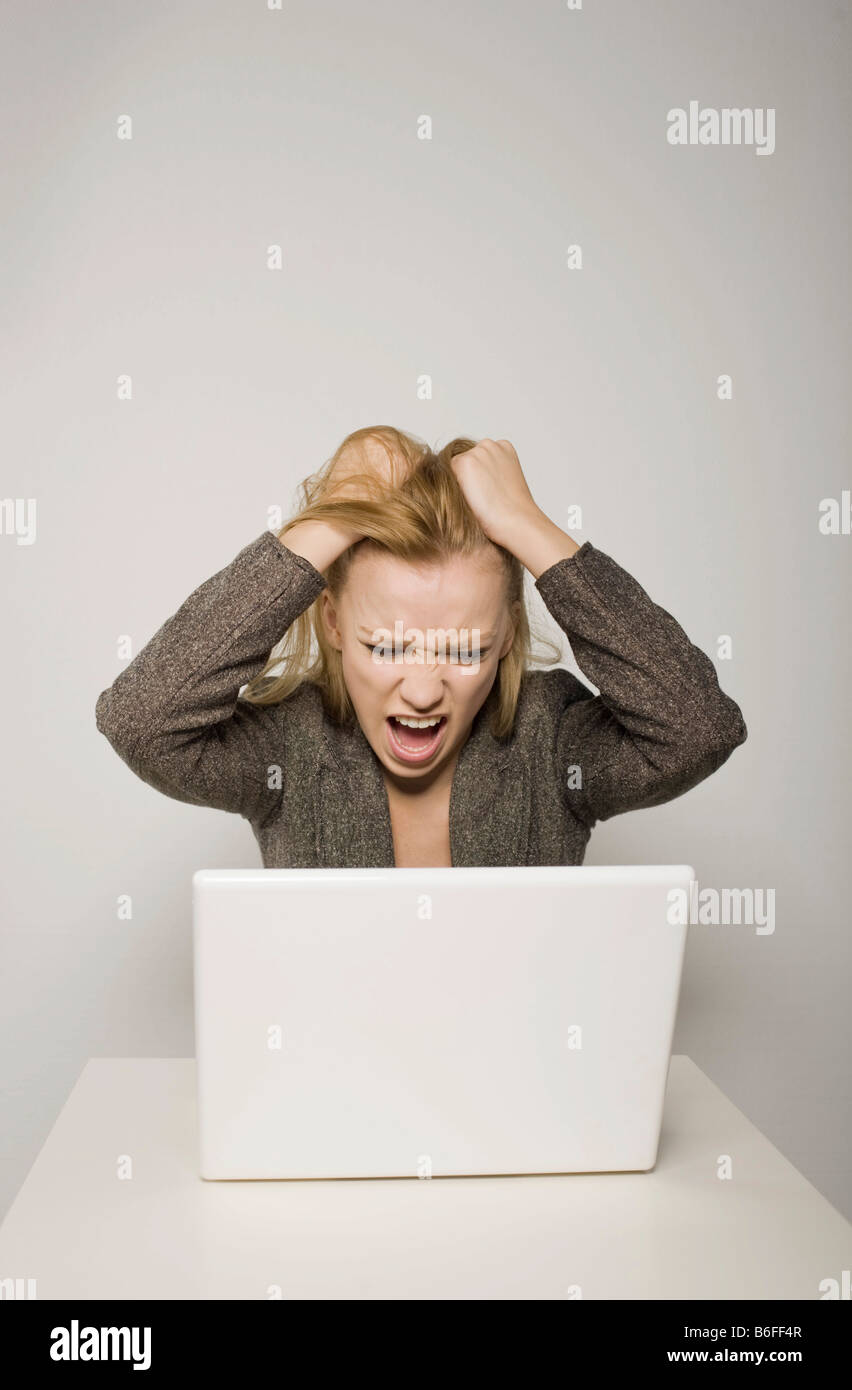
465	657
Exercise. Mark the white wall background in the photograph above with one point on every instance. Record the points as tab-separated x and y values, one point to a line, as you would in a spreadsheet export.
404	257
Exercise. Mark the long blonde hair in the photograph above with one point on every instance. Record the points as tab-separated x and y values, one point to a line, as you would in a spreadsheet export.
418	513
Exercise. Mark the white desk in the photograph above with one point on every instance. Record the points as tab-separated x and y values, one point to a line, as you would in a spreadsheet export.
677	1232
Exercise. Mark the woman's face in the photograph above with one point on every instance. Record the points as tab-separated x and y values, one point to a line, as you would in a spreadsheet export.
389	607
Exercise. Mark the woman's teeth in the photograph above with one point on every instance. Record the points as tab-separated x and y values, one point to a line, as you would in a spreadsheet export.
415	735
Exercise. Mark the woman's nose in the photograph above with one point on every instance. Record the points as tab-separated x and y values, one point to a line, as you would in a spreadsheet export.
422	685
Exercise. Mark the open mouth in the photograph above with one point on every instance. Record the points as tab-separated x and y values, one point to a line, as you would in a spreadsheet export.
414	745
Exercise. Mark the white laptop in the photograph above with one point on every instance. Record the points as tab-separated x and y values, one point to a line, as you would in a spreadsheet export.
355	1023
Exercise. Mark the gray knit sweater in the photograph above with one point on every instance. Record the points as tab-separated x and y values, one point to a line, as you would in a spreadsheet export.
314	792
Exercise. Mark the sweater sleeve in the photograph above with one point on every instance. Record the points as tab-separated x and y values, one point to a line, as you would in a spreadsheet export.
173	713
660	724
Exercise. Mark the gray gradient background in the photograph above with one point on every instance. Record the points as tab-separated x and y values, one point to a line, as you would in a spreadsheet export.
445	257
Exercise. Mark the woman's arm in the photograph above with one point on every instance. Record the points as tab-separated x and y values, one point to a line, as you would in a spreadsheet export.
173	713
660	723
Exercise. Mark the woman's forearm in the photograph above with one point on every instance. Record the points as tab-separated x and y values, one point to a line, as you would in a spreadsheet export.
539	543
174	714
661	723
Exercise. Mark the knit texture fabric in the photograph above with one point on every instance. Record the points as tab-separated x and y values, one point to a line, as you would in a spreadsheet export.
314	791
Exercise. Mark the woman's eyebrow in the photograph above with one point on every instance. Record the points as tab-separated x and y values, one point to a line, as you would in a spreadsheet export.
368	631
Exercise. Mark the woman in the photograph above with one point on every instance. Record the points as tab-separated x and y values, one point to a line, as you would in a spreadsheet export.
416	733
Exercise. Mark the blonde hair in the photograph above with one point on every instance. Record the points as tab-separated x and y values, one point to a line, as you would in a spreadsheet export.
416	511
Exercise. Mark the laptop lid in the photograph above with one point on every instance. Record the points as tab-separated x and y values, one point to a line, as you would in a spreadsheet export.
433	1022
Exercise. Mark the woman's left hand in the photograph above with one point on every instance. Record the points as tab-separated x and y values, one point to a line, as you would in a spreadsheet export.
492	480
